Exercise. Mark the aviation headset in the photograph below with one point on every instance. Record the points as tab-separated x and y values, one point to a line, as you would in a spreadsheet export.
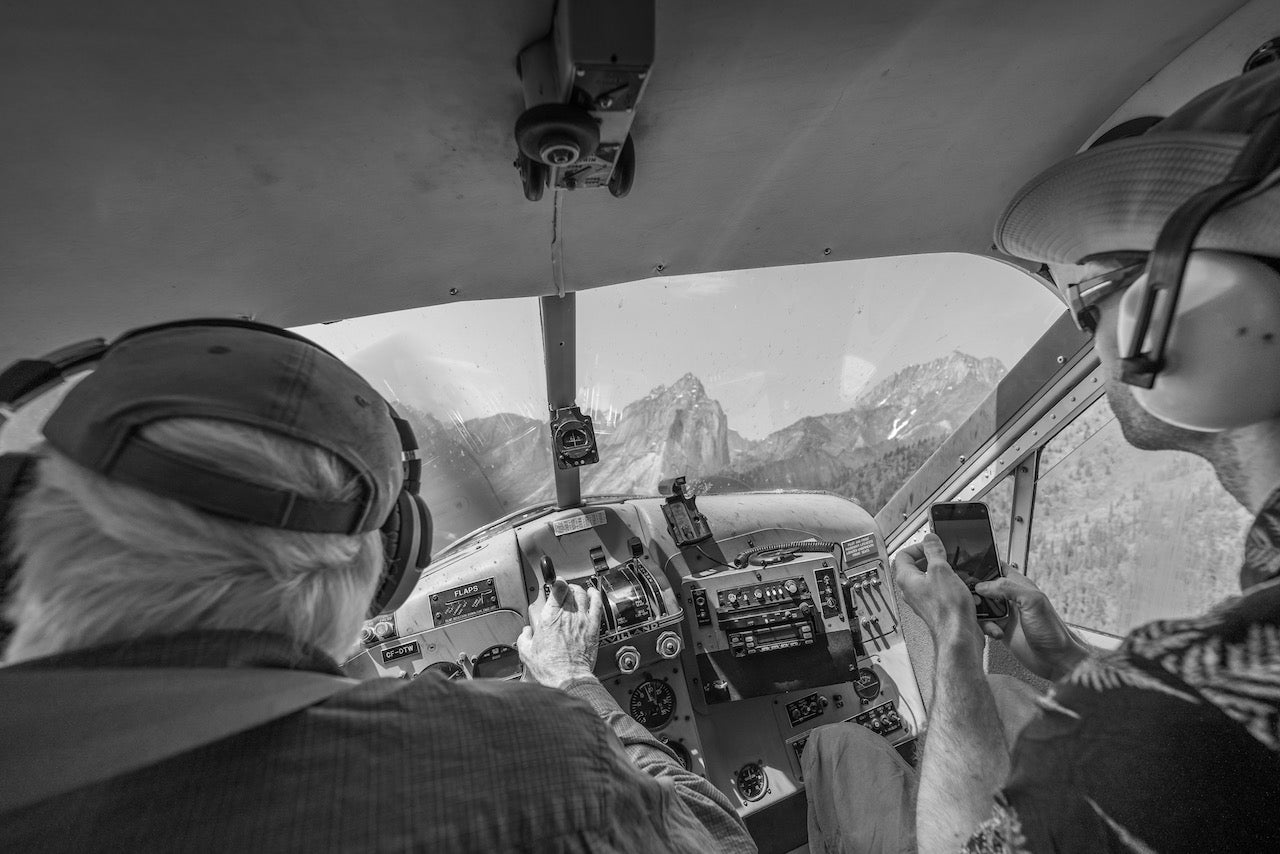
1207	323
406	531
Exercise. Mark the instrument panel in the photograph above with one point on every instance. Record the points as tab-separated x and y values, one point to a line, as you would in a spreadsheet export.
730	650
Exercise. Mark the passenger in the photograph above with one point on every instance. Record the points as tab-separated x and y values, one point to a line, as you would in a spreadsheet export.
122	591
1169	743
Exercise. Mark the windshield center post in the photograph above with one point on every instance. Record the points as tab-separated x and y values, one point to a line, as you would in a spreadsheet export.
559	350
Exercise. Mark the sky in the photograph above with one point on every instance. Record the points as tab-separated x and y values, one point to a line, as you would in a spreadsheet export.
772	345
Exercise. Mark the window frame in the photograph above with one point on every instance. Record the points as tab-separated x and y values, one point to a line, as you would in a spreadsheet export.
1021	459
1017	452
1031	405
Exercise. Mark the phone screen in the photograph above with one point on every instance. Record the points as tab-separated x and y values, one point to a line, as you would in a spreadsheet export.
965	531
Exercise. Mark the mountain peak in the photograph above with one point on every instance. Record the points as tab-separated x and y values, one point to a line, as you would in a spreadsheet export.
673	430
686	385
689	381
940	375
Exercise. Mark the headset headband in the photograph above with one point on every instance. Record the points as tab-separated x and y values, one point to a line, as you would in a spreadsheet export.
1256	161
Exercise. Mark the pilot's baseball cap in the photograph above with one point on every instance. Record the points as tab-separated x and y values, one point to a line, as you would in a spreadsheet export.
248	373
1115	198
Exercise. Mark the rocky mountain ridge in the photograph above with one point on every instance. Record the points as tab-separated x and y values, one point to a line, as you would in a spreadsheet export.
496	464
920	403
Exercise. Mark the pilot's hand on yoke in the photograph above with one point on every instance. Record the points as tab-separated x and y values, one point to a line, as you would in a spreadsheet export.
1035	633
934	591
560	642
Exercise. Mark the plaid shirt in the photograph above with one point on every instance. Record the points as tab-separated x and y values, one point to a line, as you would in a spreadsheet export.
391	765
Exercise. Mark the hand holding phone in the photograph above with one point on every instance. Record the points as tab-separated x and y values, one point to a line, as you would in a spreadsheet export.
965	530
1035	633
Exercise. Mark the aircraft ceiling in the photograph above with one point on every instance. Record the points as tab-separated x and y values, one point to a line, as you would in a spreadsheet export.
321	159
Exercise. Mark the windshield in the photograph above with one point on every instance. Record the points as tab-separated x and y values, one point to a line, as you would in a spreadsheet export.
469	379
842	377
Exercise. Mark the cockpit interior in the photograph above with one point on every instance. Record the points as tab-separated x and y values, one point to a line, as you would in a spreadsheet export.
733	625
691	303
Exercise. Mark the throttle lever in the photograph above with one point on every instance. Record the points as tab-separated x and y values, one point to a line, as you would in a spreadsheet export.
846	590
548	568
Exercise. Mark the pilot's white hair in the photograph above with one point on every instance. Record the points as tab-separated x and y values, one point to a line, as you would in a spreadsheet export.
101	562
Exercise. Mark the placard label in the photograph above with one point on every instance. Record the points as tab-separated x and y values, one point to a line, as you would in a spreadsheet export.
573	524
858	548
466	600
400	651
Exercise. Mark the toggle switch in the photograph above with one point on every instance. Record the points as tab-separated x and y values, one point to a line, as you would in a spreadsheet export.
628	659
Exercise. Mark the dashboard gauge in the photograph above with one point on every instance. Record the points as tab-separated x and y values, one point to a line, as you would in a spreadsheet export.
751	781
447	669
866	683
497	662
653	702
677	747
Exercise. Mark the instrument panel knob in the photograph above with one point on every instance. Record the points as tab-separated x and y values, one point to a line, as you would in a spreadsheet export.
669	645
628	659
791	586
384	629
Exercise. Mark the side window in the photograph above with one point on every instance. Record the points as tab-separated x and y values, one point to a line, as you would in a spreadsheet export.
1121	536
999	501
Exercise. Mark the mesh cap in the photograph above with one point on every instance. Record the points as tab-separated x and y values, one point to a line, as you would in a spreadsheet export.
250	374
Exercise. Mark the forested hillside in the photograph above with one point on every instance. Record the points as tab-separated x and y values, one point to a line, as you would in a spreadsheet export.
1122	536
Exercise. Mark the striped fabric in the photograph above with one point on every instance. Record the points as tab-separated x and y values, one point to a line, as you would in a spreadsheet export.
392	765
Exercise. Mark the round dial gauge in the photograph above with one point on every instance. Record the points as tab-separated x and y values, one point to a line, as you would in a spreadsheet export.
653	702
751	781
497	662
572	440
677	747
447	669
866	683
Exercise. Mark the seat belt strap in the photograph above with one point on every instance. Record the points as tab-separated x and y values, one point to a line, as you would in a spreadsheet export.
65	729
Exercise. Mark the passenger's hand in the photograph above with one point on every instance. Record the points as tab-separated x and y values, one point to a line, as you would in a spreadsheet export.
560	642
934	591
1034	632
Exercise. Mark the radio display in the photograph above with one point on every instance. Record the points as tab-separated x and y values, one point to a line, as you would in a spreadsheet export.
467	600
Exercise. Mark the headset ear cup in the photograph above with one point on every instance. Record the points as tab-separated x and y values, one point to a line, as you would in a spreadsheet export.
406	545
1222	346
423	558
392	559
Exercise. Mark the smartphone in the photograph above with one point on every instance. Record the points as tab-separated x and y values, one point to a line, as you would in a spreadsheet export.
965	530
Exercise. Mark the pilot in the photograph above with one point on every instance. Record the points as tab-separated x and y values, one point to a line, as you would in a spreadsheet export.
1170	742
151	621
